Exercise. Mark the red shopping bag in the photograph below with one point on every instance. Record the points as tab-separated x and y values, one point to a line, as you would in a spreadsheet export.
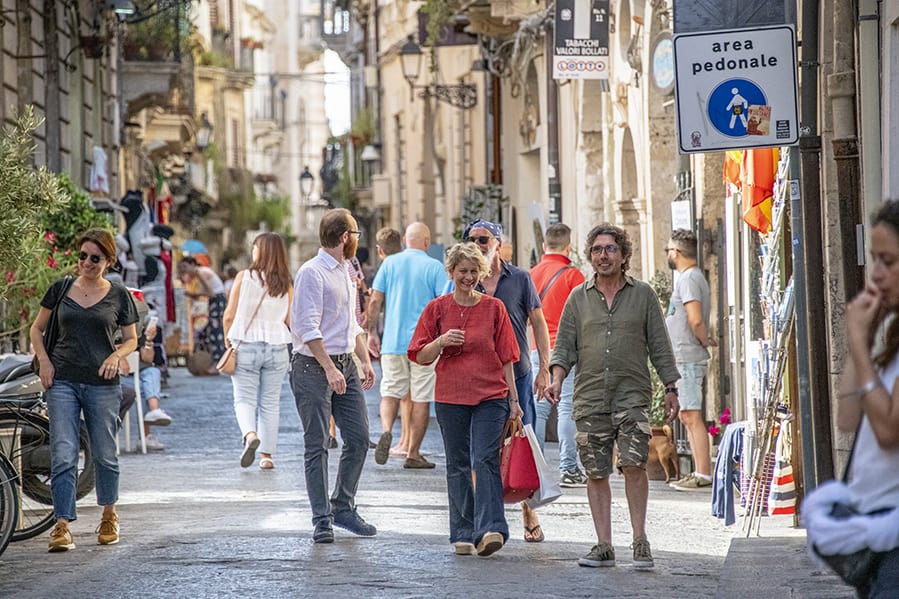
518	468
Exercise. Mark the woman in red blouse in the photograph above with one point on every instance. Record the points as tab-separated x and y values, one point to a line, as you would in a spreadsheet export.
471	334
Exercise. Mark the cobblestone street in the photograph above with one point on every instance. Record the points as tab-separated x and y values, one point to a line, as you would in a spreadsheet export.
194	524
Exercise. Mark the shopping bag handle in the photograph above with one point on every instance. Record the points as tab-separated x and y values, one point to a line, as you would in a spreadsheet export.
513	428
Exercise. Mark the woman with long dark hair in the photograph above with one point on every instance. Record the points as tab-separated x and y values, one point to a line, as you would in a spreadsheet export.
869	404
81	375
256	323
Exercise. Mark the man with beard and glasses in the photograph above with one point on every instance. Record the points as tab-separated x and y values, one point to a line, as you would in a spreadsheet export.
324	379
688	327
513	286
611	327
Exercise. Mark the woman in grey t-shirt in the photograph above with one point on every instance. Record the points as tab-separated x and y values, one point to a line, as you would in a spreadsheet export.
81	375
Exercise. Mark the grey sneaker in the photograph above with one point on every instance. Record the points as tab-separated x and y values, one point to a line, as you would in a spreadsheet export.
642	554
353	522
691	483
573	479
601	556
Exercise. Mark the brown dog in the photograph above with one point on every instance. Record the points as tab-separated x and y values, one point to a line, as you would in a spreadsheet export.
662	446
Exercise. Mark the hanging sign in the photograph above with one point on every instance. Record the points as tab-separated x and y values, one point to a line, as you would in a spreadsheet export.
736	89
581	39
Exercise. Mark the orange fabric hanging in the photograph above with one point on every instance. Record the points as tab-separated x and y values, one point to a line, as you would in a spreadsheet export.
758	174
733	162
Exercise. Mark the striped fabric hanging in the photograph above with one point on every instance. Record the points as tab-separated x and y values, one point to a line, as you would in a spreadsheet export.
782	499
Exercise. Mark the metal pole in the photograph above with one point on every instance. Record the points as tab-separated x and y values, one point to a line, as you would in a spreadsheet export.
802	340
552	133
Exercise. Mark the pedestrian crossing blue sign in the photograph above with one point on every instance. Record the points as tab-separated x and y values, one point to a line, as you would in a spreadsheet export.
728	105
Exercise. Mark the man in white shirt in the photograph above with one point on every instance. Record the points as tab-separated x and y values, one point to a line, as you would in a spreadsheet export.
324	379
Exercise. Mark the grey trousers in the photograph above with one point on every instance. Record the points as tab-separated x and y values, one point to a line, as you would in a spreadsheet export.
316	403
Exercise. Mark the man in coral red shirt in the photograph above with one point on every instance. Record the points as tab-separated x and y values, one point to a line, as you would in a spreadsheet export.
554	277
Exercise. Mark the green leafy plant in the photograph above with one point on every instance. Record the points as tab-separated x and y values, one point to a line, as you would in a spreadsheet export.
363	128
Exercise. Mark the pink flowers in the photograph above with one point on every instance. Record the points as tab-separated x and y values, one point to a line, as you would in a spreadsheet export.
10	277
51	262
724	420
50	236
725	416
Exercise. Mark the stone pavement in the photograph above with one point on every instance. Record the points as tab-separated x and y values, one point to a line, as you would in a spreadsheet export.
195	524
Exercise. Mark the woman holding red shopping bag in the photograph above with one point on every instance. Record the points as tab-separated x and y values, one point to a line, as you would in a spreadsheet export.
472	336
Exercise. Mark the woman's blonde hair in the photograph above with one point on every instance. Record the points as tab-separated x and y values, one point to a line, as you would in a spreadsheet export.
466	251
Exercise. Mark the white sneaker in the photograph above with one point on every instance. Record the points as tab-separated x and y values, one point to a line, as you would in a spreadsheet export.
157	418
153	444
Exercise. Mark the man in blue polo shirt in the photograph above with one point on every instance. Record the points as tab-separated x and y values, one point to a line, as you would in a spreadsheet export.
404	285
513	286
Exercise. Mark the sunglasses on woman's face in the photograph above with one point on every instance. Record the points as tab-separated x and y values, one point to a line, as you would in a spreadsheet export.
95	258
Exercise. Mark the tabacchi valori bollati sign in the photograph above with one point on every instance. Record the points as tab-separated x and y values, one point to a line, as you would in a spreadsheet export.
581	39
736	89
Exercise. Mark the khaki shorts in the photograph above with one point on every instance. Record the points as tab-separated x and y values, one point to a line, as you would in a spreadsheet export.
596	436
399	375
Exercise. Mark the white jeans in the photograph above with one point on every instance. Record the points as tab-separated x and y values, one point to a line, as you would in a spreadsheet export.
257	389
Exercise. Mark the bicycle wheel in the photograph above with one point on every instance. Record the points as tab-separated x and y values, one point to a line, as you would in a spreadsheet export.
9	502
25	438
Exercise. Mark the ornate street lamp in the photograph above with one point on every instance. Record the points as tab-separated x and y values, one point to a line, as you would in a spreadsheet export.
463	96
204	132
306	181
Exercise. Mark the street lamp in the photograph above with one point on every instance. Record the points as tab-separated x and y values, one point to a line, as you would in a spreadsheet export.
204	132
306	181
463	96
125	8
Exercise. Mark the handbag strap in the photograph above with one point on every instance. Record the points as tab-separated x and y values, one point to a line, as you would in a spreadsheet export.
553	280
852	451
66	285
252	318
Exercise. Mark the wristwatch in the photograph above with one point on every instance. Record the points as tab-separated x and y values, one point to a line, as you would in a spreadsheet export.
670	390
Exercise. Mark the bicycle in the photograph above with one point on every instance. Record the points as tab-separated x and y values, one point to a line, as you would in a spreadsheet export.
25	441
9	502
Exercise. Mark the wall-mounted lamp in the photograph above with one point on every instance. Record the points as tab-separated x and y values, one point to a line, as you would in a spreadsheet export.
463	96
306	181
125	8
204	132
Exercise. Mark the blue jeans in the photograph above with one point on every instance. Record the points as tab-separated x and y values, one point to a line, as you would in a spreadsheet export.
471	438
257	387
100	404
316	403
566	428
150	382
886	581
524	384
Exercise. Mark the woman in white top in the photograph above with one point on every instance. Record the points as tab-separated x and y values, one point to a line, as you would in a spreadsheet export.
256	323
870	399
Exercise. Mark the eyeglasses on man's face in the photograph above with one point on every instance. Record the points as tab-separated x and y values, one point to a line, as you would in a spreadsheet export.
670	249
356	233
597	250
481	239
95	258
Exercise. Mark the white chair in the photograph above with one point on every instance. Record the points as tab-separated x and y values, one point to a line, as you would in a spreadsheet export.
134	366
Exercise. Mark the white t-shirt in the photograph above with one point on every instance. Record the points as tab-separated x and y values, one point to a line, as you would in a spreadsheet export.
874	471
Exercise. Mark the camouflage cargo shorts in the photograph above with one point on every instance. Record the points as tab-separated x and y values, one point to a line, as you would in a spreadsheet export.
596	436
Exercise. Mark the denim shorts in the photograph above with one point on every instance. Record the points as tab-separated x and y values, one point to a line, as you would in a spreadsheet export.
689	387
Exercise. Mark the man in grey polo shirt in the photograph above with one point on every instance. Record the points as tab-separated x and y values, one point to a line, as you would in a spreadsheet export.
688	327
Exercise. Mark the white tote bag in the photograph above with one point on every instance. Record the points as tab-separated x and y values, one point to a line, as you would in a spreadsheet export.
549	489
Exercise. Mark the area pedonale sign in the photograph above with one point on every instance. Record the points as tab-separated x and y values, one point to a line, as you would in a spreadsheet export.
736	89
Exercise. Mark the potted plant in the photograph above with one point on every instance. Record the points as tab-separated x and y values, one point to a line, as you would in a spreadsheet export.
362	130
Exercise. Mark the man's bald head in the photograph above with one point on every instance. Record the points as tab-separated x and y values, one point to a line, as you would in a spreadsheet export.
417	236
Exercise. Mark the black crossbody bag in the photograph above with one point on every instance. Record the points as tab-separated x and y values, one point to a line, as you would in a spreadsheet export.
52	331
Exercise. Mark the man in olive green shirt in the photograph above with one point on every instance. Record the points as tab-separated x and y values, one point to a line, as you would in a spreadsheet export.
610	327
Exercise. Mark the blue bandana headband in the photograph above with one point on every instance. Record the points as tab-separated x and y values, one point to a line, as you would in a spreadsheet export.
495	229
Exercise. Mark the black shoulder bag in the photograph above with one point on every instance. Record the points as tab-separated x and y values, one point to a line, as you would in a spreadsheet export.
52	330
856	569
